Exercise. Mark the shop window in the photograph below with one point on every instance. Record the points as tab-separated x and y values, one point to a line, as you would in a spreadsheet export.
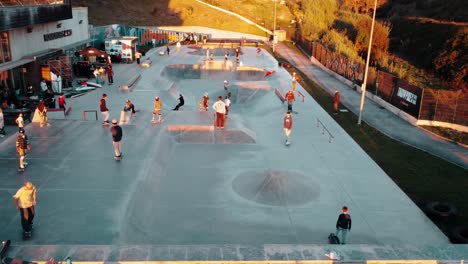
5	54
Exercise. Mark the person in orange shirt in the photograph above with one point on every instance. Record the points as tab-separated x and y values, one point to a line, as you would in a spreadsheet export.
290	98
336	101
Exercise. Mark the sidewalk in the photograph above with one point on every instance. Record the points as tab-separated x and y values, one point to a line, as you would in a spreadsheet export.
381	119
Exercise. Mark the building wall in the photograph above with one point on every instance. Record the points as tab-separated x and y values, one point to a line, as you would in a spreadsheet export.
27	43
20	16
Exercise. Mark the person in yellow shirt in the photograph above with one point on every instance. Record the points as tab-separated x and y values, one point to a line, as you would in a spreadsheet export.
157	109
25	200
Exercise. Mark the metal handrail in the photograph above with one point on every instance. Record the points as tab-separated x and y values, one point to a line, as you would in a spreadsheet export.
324	128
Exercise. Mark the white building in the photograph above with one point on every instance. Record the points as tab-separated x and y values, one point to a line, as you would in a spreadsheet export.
46	37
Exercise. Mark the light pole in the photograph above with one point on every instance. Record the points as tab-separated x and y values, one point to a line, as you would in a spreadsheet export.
363	91
274	28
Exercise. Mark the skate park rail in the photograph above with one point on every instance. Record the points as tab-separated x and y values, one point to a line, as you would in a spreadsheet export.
324	128
89	111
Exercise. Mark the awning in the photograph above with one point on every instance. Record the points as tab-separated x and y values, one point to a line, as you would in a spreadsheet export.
13	64
90	51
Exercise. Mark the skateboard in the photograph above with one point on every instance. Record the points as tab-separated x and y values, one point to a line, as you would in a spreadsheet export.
105	123
157	122
4	248
287	143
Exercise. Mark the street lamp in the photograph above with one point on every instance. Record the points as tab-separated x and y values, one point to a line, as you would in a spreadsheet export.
363	91
274	27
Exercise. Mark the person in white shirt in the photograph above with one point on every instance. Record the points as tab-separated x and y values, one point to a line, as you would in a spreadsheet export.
220	109
20	121
227	103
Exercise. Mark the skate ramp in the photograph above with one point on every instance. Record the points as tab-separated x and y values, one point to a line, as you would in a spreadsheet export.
212	70
218	50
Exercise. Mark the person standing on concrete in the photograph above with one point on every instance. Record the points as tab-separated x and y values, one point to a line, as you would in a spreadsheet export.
290	98
227	103
104	110
2	124
178	46
220	109
343	225
24	201
127	112
168	50
110	74
42	110
138	57
294	82
61	102
287	127
96	75
102	74
181	103
237	56
116	132
336	101
205	102
22	146
157	109
20	121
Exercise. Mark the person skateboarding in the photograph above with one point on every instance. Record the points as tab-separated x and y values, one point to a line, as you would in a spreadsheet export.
22	146
24	201
157	109
181	103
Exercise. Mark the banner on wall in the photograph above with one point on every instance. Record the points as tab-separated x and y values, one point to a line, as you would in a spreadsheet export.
407	97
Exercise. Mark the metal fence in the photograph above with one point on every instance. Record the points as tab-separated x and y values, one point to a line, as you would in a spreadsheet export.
421	103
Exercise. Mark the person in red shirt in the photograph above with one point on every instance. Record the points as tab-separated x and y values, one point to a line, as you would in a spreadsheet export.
290	98
336	101
104	110
287	127
61	102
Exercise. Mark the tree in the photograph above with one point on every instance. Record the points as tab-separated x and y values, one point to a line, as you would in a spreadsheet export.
318	17
380	38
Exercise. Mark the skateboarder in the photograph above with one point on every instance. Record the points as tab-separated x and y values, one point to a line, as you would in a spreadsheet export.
24	201
290	98
181	103
287	127
22	147
220	109
116	132
336	101
343	225
104	110
157	109
127	112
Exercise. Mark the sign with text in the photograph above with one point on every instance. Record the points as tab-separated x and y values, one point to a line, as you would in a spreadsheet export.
57	35
407	97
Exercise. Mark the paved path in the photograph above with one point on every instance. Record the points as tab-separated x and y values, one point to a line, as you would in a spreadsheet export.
381	119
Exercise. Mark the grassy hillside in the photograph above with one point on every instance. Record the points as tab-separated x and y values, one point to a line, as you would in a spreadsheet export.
162	13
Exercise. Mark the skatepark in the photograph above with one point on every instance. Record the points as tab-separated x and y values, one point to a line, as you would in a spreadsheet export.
187	191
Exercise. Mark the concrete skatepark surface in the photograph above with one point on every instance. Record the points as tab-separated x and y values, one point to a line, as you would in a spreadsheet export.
184	190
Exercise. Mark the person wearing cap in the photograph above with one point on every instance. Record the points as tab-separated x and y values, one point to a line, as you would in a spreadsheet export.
104	110
336	101
343	225
157	109
287	126
294	82
220	109
181	103
22	147
116	132
24	201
